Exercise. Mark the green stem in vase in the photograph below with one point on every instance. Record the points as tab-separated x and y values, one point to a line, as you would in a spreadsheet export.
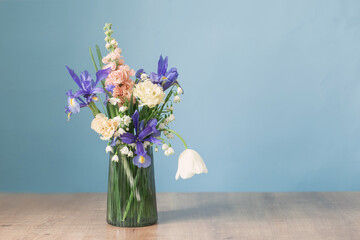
131	196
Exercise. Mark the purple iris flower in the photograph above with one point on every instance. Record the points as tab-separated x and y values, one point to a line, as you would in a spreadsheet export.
74	104
87	85
142	134
163	77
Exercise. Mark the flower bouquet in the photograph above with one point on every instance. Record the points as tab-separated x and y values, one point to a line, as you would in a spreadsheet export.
135	119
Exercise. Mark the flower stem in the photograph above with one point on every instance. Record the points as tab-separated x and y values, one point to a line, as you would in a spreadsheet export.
179	137
131	196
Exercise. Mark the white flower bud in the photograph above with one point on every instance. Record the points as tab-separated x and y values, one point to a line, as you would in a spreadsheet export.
115	158
171	118
156	149
130	154
124	150
109	149
127	120
144	76
161	126
179	90
165	146
170	136
123	109
114	101
177	99
170	151
107	45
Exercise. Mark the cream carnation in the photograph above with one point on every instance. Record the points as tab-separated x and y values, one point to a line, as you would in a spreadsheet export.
104	126
149	94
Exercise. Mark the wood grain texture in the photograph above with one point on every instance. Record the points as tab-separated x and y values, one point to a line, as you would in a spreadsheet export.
186	216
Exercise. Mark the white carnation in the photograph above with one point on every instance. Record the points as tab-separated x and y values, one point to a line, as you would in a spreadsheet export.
104	126
149	94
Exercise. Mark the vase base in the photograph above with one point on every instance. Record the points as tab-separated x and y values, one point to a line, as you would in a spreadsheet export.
132	223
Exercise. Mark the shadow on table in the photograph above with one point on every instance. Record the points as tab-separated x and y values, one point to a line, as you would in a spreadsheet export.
196	212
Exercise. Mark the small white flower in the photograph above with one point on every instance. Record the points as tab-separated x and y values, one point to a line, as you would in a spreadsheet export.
113	42
109	149
166	153
127	129
146	144
130	154
165	146
117	142
144	76
127	120
171	118
124	150
107	45
133	145
161	126
179	90
170	151
114	101
165	133
177	99
190	163
166	121
123	109
115	158
170	136
171	108
119	132
156	149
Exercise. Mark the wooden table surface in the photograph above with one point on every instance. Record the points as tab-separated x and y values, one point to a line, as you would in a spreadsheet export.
186	216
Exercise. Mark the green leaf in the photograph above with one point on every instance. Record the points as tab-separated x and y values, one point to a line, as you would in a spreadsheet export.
93	60
99	56
131	107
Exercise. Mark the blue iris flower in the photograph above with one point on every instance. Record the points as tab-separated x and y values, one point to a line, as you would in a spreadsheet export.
142	133
88	89
163	77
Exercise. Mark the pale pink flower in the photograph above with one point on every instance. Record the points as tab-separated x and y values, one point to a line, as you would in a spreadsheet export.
118	50
112	65
124	91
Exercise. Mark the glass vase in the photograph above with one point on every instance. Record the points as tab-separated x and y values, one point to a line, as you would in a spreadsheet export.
131	196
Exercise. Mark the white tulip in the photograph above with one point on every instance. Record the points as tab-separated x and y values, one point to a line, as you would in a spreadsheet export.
190	163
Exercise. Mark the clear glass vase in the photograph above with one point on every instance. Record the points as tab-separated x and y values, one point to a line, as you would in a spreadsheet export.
131	196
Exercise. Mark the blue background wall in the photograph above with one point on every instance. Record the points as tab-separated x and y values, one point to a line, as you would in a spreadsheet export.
272	91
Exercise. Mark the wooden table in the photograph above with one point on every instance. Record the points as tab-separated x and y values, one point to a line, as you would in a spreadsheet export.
186	216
